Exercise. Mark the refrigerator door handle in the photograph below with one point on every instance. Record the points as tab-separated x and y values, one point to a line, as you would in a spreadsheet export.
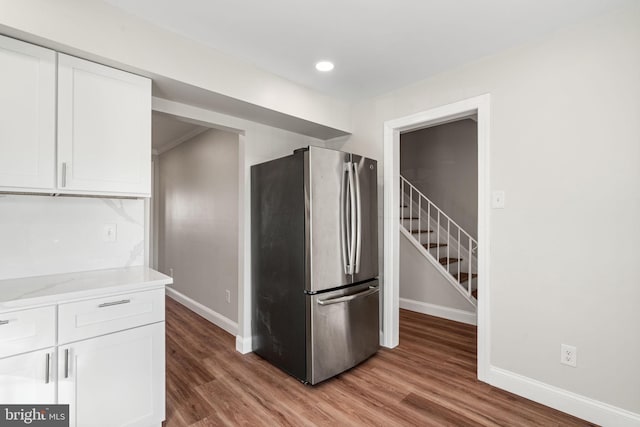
344	243
366	292
358	219
353	219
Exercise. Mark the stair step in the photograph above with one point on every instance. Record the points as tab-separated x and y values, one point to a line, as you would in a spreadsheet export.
410	217
421	231
464	277
433	245
474	293
447	261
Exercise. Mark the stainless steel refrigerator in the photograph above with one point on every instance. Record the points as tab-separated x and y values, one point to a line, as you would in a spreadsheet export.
315	299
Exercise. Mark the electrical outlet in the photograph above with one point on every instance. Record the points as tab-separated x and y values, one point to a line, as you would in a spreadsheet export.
171	272
227	295
110	233
568	355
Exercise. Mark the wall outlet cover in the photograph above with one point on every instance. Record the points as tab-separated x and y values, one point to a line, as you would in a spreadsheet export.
568	355
110	233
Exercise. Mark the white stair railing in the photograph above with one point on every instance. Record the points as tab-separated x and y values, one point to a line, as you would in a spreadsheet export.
440	243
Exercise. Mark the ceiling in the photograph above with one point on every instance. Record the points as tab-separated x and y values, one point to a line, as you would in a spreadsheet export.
168	132
376	45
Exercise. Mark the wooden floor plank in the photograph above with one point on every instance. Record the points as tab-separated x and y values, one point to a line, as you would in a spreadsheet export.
428	380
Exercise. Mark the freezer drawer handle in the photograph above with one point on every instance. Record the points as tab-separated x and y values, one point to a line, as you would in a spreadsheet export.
4	322
109	304
370	291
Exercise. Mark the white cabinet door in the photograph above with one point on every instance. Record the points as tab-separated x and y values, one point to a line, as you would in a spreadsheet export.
28	378
104	129
27	116
114	380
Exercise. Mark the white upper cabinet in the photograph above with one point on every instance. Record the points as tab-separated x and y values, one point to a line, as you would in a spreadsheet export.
104	130
27	116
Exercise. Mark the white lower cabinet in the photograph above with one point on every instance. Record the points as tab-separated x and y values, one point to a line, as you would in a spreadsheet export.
114	380
104	357
28	378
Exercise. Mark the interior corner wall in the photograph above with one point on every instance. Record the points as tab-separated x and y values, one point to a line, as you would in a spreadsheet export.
257	143
198	219
442	163
564	147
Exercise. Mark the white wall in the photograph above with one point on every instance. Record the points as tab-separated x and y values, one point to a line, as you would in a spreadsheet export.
47	235
198	219
565	147
181	68
442	162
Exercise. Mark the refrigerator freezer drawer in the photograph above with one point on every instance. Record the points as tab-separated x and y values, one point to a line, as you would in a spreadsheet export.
344	329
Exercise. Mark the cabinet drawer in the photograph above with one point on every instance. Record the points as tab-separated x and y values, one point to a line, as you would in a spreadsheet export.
27	330
99	316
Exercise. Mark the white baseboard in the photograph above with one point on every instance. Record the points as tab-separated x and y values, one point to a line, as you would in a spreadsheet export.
212	316
243	344
580	406
455	314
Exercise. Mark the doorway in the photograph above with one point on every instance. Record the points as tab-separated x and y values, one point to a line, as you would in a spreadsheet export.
478	106
195	215
439	211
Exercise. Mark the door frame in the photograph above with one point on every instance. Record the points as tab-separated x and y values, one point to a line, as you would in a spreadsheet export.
479	105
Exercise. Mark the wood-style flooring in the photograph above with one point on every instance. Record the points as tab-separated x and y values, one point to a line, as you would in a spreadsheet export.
428	380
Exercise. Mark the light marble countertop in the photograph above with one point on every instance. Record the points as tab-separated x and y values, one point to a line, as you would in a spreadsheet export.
57	288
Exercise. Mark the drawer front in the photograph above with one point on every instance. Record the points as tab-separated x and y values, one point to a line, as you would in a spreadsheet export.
99	316
27	330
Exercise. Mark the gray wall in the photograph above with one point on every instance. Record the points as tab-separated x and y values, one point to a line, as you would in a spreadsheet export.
442	162
198	219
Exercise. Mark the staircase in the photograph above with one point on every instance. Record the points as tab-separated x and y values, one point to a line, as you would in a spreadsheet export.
441	240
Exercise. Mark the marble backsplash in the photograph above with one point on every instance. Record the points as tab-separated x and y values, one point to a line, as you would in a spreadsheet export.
48	235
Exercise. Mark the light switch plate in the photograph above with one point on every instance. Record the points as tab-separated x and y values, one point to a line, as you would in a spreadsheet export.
110	233
497	199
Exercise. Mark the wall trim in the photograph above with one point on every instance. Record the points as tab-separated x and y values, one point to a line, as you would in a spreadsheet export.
212	316
575	404
457	315
243	344
480	106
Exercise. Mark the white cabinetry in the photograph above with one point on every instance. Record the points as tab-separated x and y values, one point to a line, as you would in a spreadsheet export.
103	140
122	371
28	378
109	352
27	116
104	129
26	330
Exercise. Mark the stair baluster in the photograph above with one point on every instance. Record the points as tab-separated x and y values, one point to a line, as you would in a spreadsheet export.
438	218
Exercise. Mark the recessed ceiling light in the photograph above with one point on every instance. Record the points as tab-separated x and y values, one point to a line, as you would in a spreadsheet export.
324	66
